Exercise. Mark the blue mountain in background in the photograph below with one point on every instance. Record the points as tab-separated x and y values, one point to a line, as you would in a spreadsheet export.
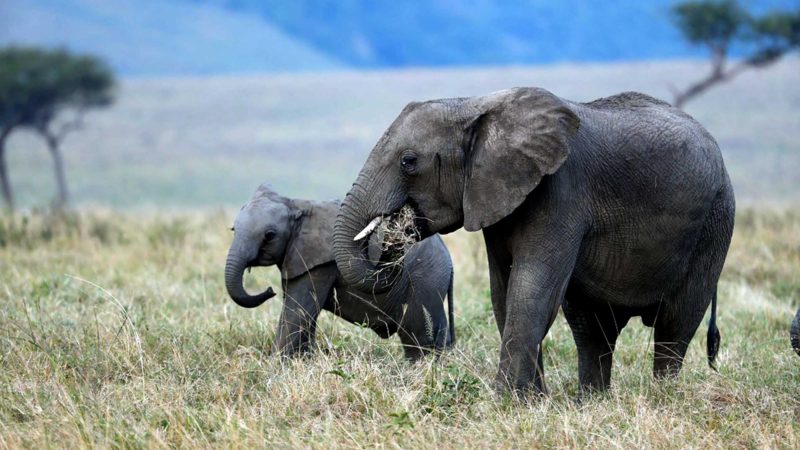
223	36
391	33
160	37
447	32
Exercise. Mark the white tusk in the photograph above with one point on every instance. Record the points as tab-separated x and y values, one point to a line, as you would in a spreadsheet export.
368	229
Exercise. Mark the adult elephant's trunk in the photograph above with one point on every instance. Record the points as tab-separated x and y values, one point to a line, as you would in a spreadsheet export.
795	333
234	271
353	221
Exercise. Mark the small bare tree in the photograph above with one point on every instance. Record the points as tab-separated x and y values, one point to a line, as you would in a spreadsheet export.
719	24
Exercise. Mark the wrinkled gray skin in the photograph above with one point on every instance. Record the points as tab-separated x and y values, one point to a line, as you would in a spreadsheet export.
616	208
296	235
795	333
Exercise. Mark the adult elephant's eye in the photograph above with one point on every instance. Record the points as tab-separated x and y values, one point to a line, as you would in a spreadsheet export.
409	163
269	235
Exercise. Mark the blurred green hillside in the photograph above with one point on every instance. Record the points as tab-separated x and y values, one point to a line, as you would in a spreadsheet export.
183	143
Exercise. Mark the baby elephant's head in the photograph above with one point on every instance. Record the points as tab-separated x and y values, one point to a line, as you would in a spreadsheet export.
262	231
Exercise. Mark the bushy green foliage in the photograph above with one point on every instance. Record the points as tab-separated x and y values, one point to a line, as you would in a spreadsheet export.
718	24
713	23
775	33
35	84
721	24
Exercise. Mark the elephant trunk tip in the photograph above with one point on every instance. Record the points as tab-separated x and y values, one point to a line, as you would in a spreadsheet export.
234	271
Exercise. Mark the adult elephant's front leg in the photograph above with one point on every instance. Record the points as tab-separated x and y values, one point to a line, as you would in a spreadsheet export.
535	292
304	297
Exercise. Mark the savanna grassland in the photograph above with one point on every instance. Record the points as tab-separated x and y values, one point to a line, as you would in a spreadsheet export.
117	332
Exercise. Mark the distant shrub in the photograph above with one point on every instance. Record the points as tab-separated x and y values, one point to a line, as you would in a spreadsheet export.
42	226
11	232
171	233
106	231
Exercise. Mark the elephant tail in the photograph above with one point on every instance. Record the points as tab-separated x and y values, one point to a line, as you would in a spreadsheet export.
713	338
451	320
795	333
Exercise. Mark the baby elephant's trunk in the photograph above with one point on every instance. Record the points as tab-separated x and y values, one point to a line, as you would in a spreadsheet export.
234	272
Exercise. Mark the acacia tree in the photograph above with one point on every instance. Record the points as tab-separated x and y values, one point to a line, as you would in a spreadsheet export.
720	24
12	100
48	91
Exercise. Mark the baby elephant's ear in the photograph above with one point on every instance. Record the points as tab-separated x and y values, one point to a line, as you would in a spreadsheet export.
516	137
312	243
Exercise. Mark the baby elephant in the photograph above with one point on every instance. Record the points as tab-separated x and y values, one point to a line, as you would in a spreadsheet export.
296	235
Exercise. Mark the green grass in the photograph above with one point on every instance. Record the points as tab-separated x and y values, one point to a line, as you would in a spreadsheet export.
115	331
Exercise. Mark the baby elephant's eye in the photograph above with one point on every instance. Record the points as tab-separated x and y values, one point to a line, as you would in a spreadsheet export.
269	235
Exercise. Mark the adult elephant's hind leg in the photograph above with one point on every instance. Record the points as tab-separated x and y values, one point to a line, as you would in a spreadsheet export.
595	327
677	320
674	330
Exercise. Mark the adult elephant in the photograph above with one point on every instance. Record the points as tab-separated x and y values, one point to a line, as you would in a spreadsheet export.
615	208
296	235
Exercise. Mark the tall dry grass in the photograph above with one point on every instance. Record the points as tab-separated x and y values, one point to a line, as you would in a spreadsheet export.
115	331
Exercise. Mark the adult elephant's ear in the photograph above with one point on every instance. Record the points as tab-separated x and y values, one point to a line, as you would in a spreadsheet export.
312	241
515	138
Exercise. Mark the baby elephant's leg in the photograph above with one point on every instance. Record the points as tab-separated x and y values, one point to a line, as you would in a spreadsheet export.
304	297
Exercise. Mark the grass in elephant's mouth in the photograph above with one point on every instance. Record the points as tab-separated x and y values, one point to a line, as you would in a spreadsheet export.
398	234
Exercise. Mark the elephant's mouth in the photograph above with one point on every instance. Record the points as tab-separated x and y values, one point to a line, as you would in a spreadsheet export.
396	233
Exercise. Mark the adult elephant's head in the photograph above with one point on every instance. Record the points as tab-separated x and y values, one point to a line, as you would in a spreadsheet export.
457	162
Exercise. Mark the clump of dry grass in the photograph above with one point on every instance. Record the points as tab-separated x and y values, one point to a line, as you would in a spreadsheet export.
398	234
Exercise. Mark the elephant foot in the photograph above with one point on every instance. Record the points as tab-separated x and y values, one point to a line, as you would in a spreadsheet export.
414	354
519	390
